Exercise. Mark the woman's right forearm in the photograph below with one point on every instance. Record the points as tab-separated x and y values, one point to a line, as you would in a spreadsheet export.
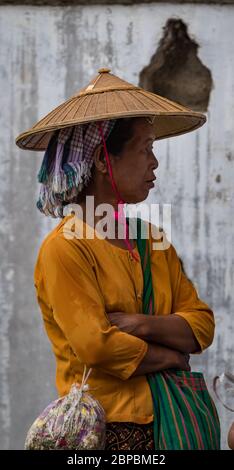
159	358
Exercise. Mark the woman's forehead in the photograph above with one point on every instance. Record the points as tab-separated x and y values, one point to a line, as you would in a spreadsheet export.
143	133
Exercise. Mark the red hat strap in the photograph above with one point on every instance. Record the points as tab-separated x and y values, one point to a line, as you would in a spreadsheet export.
118	214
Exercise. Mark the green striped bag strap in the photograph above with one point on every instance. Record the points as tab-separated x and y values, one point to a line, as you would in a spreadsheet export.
143	248
148	305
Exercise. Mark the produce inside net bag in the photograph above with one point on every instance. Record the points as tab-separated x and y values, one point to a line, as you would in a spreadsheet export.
75	421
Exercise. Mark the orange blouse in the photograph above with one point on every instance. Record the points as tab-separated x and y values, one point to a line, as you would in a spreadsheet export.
78	282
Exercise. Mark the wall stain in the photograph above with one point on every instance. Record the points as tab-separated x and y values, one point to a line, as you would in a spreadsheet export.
175	70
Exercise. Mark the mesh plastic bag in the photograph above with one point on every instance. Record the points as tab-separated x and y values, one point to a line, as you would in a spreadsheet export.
75	421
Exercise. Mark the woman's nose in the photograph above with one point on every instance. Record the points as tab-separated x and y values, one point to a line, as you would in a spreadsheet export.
154	161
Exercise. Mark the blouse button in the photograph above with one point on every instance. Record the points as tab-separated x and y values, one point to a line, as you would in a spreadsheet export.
139	296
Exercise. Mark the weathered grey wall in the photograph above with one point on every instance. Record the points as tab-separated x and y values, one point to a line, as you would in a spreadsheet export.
105	2
47	54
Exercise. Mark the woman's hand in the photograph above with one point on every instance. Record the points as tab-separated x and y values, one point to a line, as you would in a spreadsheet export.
168	330
159	358
131	323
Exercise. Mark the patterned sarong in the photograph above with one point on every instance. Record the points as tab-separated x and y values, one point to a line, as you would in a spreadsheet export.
129	436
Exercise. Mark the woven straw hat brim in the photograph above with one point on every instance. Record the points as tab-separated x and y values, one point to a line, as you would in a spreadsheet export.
109	97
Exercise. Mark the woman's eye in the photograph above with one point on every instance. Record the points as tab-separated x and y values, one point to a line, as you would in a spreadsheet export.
149	149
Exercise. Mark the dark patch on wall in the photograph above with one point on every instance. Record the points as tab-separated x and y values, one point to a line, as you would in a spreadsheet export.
230	156
175	70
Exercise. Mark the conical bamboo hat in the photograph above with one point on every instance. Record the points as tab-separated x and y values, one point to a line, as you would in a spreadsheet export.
109	97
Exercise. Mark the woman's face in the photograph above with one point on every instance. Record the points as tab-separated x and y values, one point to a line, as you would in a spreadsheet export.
133	169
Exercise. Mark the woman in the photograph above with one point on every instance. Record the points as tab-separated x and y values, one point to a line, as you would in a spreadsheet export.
230	438
90	288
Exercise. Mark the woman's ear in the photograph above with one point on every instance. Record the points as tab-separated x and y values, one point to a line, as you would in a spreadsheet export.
99	159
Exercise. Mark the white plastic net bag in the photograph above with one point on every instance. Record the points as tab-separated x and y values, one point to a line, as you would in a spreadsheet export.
75	421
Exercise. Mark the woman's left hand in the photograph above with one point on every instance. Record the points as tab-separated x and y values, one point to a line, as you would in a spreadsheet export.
131	323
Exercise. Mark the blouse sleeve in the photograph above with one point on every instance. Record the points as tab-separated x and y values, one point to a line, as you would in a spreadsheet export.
78	308
186	303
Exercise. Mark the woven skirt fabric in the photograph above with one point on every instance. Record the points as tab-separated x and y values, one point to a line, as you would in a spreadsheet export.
129	436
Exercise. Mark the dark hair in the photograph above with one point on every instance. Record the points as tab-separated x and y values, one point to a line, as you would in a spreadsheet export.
120	135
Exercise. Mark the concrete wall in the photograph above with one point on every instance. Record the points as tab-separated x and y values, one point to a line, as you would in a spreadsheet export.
106	2
46	55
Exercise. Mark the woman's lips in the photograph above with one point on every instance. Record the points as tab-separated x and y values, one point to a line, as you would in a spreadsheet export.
150	182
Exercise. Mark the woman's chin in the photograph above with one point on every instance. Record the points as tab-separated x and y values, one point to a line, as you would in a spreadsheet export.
137	198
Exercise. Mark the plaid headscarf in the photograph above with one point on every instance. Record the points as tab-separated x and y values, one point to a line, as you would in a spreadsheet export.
66	166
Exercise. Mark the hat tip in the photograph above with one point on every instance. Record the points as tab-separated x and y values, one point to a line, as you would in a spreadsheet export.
104	70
